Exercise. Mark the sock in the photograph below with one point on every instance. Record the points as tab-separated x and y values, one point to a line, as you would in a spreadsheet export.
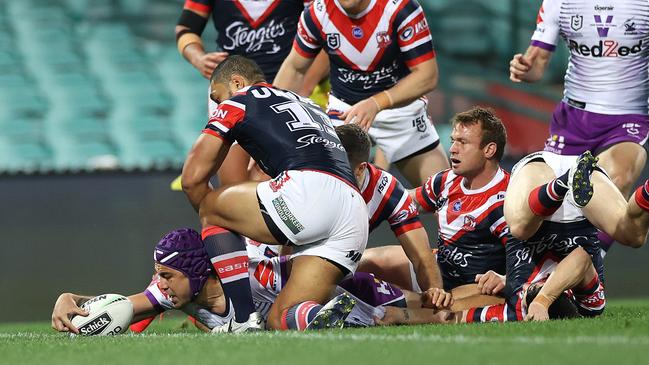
300	315
140	326
605	242
590	298
641	196
547	198
227	251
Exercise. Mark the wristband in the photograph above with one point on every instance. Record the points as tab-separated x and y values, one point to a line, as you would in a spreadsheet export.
186	39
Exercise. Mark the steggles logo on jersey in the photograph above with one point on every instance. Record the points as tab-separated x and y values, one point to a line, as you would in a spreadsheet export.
333	40
453	257
310	139
254	40
370	80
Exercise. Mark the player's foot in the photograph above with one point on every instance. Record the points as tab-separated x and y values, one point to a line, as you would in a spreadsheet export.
254	323
579	184
562	308
334	313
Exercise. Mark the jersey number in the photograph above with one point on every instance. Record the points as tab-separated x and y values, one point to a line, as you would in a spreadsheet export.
304	117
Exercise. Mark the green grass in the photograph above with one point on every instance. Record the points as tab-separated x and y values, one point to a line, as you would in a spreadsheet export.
620	336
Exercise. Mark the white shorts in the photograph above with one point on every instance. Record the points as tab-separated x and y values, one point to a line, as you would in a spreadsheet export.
560	164
398	132
320	214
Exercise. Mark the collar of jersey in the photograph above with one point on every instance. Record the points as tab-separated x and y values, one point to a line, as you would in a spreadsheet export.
369	8
495	180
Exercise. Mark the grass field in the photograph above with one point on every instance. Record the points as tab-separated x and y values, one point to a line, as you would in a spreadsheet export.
620	336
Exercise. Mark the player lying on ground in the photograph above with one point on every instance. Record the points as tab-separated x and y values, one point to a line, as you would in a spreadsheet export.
184	280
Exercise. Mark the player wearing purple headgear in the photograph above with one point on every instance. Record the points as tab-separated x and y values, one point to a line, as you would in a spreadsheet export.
185	280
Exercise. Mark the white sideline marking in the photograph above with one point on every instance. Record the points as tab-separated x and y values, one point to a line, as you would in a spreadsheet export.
365	337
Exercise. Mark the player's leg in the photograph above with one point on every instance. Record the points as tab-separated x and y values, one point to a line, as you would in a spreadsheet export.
522	220
623	162
312	282
236	208
388	263
625	221
419	167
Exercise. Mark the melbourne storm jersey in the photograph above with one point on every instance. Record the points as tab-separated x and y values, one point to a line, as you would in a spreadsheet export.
262	30
472	227
368	52
281	131
609	48
388	200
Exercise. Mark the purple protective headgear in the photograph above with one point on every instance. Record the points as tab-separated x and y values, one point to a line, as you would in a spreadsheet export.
183	250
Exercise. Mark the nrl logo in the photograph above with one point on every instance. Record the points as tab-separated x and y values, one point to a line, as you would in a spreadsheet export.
333	40
576	22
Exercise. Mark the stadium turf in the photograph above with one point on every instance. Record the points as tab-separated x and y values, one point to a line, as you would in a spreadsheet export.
620	336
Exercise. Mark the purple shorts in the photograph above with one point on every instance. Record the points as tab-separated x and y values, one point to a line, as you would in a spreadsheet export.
574	130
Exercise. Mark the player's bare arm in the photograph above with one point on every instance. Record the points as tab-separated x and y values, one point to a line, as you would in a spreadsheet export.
415	245
201	164
422	79
529	67
188	31
573	270
291	74
318	71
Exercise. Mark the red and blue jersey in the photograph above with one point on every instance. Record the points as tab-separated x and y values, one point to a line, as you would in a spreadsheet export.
368	52
262	30
472	227
281	131
387	199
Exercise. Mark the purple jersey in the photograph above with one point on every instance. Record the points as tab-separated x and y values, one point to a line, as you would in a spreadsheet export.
369	52
262	30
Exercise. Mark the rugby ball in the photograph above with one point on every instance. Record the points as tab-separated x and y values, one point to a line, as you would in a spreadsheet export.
110	314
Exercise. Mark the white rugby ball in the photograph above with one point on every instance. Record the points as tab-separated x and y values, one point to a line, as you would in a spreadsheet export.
110	314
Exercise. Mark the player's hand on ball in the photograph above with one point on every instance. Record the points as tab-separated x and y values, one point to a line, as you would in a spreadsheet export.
537	312
207	62
490	283
436	298
362	113
64	309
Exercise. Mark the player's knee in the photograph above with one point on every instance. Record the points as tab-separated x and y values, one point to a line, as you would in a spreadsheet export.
520	230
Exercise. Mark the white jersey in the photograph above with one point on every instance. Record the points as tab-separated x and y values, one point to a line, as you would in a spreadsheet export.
609	45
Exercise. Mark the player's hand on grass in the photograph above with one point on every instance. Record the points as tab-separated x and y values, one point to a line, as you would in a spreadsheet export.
362	113
436	298
64	309
519	66
207	62
537	312
490	283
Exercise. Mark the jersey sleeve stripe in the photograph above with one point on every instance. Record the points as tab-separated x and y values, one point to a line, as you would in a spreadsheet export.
423	39
424	200
154	301
194	5
303	50
415	61
234	104
496	224
381	213
543	45
409	18
407	227
213	132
